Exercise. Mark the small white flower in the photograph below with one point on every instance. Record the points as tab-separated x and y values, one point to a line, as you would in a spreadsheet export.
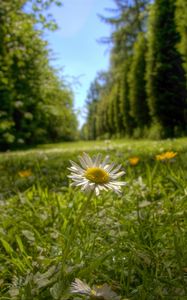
79	287
103	292
96	175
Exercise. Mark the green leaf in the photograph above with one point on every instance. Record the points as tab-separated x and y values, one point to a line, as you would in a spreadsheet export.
7	246
20	244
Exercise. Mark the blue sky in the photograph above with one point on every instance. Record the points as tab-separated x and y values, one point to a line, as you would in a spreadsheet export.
75	45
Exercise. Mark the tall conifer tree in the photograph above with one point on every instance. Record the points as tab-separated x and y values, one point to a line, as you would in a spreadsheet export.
129	21
166	86
181	18
137	93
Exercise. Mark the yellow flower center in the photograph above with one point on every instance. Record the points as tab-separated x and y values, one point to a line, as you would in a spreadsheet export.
93	293
97	175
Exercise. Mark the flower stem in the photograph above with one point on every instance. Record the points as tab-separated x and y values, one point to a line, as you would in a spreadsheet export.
75	226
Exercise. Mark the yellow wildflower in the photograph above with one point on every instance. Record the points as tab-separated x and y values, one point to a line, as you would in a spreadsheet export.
166	155
134	160
25	173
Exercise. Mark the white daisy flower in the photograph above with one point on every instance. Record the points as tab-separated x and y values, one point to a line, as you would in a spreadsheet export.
79	287
103	292
93	174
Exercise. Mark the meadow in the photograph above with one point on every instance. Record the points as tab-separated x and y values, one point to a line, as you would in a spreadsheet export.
134	245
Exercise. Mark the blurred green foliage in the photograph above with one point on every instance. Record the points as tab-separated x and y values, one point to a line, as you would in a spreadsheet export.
36	105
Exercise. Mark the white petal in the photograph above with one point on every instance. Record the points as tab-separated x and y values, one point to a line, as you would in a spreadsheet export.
116	169
73	175
87	159
97	191
122	183
76	170
118	183
97	160
80	287
102	187
77	178
87	187
104	163
118	175
80	183
83	162
108	168
73	184
76	166
109	186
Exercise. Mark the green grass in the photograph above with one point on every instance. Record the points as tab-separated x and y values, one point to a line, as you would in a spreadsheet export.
136	243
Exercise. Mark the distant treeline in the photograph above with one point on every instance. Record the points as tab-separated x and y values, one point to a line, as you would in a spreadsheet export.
143	94
35	105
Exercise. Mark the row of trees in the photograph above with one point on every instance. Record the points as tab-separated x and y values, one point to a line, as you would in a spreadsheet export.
144	91
36	105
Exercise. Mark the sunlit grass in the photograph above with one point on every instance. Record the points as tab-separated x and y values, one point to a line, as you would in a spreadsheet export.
106	145
135	243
